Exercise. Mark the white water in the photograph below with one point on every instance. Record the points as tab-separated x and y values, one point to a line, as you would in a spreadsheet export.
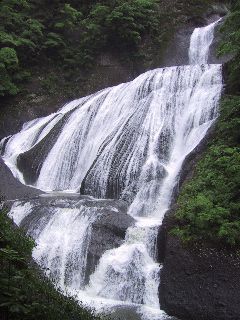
62	233
128	142
200	42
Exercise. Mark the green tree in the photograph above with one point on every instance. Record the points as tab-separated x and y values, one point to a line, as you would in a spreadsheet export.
231	45
8	66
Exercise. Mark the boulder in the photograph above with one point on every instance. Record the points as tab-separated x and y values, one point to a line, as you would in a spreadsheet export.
108	232
200	283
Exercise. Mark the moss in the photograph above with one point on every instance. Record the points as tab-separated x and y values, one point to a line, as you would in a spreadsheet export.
230	45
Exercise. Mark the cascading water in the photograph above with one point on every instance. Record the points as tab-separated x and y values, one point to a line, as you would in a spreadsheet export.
127	142
62	237
201	40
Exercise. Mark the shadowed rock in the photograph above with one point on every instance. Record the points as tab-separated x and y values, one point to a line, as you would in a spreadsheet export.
11	188
108	232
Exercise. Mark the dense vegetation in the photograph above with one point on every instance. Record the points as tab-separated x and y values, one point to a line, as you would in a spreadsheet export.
71	35
209	205
24	294
231	45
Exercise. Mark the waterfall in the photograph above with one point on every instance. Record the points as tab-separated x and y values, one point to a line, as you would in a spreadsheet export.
127	142
62	233
200	42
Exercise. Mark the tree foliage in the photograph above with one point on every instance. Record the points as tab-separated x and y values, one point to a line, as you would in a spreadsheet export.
72	34
20	35
231	45
8	66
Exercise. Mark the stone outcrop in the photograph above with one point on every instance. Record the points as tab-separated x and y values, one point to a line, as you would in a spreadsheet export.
200	283
108	232
11	188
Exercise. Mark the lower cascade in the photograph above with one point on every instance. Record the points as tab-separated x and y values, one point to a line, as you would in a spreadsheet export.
117	152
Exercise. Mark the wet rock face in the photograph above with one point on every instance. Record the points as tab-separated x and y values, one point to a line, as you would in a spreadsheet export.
30	162
11	188
108	232
200	284
176	54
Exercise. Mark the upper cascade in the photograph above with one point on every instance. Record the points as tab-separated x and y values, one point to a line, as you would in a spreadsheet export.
109	141
104	143
200	43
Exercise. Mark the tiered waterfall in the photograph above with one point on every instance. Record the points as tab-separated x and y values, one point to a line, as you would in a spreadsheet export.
127	142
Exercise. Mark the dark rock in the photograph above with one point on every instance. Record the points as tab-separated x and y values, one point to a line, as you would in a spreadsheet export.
11	188
108	232
176	53
200	284
163	233
31	161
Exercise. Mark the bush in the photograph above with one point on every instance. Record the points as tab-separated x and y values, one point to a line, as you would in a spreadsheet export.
231	45
8	65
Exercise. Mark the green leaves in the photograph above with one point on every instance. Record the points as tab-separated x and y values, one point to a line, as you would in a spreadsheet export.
10	255
8	64
8	57
73	34
230	232
71	16
54	40
20	35
231	45
130	20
